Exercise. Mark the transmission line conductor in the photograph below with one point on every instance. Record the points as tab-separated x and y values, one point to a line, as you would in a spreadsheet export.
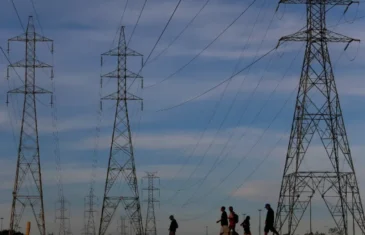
121	164
28	159
318	117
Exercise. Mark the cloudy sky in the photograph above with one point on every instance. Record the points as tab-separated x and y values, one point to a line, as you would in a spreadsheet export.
226	147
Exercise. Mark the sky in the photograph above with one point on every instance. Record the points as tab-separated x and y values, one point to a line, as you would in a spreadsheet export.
226	147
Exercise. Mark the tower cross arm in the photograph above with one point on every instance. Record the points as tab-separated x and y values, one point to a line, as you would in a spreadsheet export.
327	2
116	74
124	52
314	35
29	90
25	37
121	96
23	63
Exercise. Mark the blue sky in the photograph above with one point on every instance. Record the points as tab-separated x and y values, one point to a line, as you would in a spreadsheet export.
165	140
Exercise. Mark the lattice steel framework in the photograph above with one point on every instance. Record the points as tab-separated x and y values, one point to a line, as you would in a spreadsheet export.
89	213
121	158
318	111
28	163
151	218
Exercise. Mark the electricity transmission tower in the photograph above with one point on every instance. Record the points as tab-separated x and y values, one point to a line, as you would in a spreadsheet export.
151	218
89	214
318	118
28	162
63	216
121	163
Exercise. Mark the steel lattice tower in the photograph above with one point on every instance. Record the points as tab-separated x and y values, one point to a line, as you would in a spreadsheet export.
151	218
89	214
121	158
318	116
28	162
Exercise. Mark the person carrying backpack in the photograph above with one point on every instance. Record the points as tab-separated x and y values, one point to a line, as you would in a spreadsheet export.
233	220
173	225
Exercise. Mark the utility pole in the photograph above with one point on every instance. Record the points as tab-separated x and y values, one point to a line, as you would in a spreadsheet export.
317	121
121	162
28	163
1	224
151	217
260	221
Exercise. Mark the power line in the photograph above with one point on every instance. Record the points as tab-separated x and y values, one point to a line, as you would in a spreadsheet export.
235	98
219	101
217	162
219	84
163	31
159	38
120	22
181	32
206	47
135	26
17	14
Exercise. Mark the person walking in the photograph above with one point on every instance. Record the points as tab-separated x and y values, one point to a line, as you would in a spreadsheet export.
269	222
233	220
223	221
246	226
173	225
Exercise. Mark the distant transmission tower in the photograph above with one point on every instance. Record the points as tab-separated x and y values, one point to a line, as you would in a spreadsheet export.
318	117
89	214
28	163
151	218
63	216
121	158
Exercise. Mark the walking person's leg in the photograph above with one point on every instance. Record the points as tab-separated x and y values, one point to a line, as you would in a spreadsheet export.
274	230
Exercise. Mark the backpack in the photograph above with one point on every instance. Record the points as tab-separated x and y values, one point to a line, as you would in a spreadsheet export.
236	219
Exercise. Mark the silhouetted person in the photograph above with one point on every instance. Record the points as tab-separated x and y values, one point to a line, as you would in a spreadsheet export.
224	221
269	223
233	220
246	226
173	225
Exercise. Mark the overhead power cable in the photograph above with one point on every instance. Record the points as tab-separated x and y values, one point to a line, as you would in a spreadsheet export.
135	26
236	97
217	104
180	34
219	161
159	38
230	107
206	47
219	84
17	14
120	22
164	29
